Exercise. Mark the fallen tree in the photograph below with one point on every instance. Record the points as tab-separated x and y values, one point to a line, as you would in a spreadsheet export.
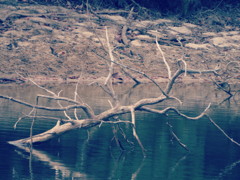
110	116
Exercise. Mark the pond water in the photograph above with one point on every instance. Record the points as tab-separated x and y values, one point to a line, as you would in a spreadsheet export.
91	154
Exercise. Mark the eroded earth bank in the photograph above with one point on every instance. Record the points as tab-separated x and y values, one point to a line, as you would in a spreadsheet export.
58	44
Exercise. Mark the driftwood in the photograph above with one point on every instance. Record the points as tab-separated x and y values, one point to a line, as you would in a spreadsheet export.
110	116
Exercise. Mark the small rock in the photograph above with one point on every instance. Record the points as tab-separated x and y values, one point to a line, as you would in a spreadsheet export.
209	34
190	25
197	46
162	21
182	30
117	19
233	32
142	24
144	37
24	43
83	32
137	43
219	41
155	33
227	41
234	38
224	33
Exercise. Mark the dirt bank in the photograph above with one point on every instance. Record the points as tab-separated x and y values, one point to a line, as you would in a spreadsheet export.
57	44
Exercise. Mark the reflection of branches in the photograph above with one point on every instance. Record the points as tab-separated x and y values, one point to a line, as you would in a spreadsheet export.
53	162
176	137
231	72
135	174
177	164
230	97
228	169
126	96
119	162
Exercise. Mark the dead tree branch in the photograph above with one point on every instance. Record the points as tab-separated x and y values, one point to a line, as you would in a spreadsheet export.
56	131
110	116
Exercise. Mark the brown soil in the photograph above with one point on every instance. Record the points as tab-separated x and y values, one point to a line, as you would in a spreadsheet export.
58	44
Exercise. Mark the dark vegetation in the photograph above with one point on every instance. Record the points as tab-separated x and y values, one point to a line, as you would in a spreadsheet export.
163	7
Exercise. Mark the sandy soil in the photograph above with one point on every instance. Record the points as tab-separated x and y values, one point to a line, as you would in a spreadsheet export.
58	44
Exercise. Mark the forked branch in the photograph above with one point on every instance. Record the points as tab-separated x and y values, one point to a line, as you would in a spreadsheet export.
110	116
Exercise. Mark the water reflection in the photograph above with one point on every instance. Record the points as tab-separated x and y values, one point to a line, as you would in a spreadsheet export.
61	170
92	155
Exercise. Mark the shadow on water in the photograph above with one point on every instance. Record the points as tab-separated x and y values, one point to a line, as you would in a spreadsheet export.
93	155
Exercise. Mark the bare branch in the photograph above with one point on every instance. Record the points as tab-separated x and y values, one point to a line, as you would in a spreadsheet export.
110	116
164	111
42	107
45	89
111	57
57	130
65	113
136	71
134	130
85	107
189	71
129	75
222	131
75	99
164	60
22	117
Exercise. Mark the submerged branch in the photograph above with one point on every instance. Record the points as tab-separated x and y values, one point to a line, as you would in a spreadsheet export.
56	131
222	131
176	137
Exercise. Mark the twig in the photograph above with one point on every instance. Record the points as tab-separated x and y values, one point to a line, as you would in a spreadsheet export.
228	169
222	88
20	118
108	85
65	113
222	131
129	75
164	111
164	60
189	71
137	71
75	99
32	124
111	57
45	89
42	107
134	131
